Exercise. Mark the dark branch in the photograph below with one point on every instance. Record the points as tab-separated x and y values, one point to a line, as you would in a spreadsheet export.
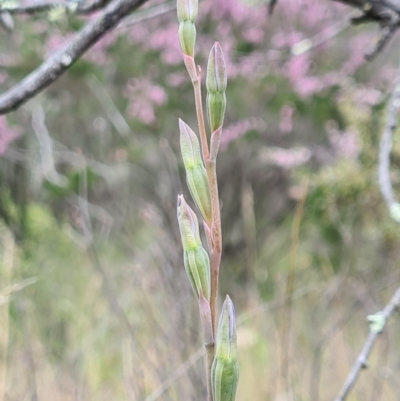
41	6
56	65
375	10
385	12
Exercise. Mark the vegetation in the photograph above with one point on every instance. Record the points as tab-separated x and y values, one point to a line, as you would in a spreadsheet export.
95	302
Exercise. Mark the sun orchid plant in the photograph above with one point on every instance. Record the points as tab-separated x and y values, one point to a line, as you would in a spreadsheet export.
199	153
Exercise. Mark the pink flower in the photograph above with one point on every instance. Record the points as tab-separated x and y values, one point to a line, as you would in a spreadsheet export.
143	96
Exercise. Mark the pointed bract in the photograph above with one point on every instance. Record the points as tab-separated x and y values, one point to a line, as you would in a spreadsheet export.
188	225
216	79
196	175
190	146
225	371
195	257
187	10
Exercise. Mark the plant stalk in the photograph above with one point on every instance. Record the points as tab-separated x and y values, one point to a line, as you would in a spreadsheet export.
215	226
210	358
216	238
195	76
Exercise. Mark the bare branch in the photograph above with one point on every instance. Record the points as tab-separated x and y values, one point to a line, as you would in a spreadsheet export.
385	12
361	362
394	208
61	61
385	148
42	6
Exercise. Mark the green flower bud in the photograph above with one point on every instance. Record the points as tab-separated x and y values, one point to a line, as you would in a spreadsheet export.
188	225
216	82
216	79
216	105
187	37
225	371
196	260
187	10
196	175
197	265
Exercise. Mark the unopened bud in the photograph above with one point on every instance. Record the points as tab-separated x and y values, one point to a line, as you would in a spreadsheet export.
187	37
216	82
216	79
188	225
196	260
187	10
196	174
225	371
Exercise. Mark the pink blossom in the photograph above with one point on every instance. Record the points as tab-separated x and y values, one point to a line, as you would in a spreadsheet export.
298	67
367	96
176	79
345	144
240	128
142	97
286	39
358	46
287	158
98	53
55	42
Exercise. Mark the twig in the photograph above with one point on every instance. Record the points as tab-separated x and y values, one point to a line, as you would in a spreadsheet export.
385	12
109	107
386	188
385	148
361	361
83	8
148	13
61	61
320	38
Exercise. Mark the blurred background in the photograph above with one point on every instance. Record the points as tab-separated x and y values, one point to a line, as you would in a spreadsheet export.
94	300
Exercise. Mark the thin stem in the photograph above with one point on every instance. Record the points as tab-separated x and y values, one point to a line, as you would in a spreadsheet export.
385	145
210	164
195	76
210	358
216	237
361	361
213	230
